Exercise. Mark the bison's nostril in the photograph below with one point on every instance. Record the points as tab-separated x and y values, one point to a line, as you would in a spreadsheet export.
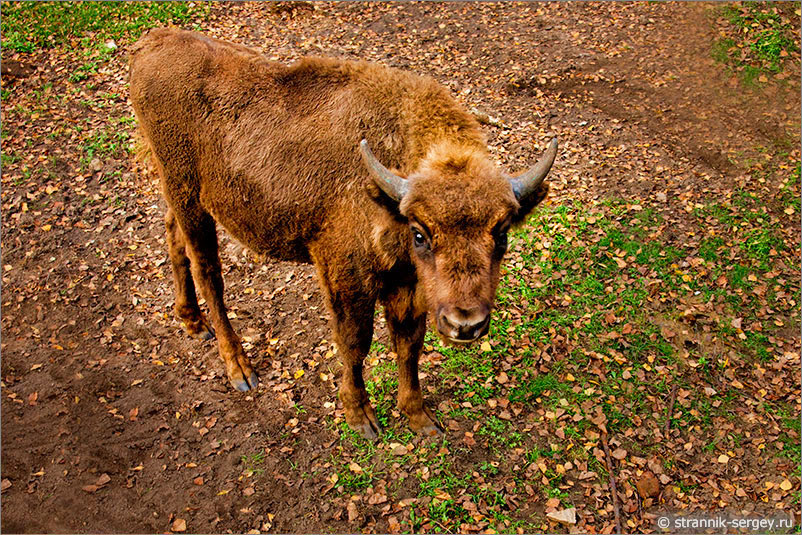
474	330
464	325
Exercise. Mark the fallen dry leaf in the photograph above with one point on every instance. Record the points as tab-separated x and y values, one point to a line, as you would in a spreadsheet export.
566	516
353	514
619	453
354	467
648	485
377	498
442	495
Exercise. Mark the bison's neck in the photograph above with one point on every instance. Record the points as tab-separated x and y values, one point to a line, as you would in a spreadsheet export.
447	158
434	126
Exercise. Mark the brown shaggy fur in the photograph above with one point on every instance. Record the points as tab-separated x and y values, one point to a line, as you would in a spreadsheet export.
270	152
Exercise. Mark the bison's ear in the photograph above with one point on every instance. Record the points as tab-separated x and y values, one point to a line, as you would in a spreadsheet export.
529	187
393	185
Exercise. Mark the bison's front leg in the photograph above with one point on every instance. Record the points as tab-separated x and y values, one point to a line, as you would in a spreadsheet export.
406	321
353	330
352	322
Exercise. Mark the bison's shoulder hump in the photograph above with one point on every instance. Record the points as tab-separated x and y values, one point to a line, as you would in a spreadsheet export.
311	70
185	41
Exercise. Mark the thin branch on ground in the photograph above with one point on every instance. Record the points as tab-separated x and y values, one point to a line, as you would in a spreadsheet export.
613	490
671	402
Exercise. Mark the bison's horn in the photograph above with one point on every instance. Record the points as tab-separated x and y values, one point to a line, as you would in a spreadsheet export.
390	183
527	182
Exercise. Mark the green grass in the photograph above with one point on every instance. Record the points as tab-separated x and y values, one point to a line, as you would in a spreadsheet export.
531	389
28	26
789	194
382	388
791	445
760	244
106	142
473	370
759	38
721	49
363	453
770	35
252	462
9	158
606	283
500	434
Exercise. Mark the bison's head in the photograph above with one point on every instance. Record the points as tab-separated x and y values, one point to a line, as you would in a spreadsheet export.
459	206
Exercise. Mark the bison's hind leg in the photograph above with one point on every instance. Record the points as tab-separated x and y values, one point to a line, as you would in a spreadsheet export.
201	247
186	300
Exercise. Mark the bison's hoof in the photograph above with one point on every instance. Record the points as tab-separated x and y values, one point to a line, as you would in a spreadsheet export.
431	431
367	431
199	330
367	425
425	423
206	334
243	386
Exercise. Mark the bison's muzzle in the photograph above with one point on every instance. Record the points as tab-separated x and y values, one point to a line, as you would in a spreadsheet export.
461	325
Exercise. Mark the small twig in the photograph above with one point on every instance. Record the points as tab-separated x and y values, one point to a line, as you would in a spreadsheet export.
640	500
613	490
670	411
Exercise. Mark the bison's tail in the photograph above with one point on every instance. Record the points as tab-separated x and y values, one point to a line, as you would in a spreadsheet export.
143	153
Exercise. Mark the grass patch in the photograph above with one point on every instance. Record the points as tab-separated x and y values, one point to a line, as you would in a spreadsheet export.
252	462
29	26
760	244
758	39
499	434
531	389
106	142
382	388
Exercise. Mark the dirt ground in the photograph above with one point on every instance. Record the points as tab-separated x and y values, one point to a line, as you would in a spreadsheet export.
114	421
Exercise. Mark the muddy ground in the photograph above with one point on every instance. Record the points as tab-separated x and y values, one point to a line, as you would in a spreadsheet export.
114	421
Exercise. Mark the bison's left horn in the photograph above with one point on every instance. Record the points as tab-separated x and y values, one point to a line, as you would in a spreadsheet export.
390	183
527	183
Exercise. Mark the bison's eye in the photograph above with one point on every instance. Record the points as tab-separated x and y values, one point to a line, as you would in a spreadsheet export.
501	241
419	240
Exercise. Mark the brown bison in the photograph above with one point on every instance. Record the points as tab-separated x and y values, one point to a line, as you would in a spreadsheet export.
376	176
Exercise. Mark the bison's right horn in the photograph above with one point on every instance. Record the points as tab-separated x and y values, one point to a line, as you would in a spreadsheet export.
528	182
390	183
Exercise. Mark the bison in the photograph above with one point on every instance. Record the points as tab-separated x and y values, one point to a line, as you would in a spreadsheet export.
376	176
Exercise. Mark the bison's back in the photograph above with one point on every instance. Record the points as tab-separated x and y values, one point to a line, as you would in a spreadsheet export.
271	151
226	136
